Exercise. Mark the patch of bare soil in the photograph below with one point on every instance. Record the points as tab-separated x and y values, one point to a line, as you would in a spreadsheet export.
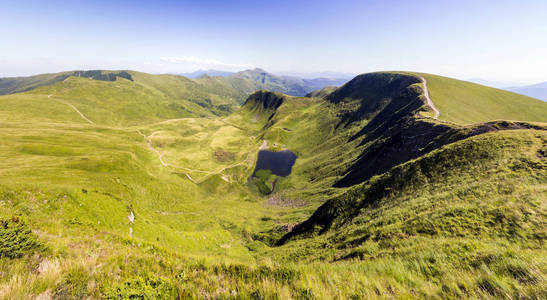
223	156
282	201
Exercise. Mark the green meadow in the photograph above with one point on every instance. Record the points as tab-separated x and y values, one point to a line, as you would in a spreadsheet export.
143	188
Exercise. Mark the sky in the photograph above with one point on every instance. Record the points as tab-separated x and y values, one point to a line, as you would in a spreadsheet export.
496	40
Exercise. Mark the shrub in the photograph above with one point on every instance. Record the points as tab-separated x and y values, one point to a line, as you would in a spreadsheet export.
142	287
16	239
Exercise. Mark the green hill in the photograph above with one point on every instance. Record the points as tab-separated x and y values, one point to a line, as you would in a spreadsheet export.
132	185
10	85
469	216
466	103
136	98
216	93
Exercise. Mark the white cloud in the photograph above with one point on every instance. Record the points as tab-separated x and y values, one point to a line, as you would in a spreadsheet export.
203	62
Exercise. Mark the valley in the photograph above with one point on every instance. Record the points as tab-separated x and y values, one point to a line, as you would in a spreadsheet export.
395	185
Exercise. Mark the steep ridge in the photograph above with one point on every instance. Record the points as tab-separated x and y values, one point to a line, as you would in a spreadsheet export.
393	109
384	119
471	213
463	157
263	105
384	115
431	198
389	107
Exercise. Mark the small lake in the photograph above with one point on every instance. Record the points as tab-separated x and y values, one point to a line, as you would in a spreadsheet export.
280	163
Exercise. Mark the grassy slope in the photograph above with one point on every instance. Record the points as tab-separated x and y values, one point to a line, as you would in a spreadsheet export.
423	229
118	103
179	95
522	154
10	85
469	217
146	99
20	84
465	102
77	183
92	176
211	95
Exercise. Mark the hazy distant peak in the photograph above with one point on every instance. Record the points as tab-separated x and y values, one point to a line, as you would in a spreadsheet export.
210	72
494	84
255	71
538	90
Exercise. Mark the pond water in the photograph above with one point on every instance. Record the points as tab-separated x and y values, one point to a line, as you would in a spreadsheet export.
280	163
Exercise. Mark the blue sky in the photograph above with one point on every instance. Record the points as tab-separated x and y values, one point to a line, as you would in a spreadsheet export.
495	40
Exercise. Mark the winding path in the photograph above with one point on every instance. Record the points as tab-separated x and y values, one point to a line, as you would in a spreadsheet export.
160	155
149	144
209	173
74	108
428	100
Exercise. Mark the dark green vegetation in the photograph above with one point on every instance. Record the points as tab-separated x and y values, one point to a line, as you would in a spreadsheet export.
16	239
264	181
141	186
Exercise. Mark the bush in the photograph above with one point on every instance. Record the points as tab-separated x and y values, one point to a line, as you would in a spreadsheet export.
16	239
143	287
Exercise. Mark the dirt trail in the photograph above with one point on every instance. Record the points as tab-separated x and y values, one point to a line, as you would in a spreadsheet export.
149	144
160	156
209	173
74	108
429	102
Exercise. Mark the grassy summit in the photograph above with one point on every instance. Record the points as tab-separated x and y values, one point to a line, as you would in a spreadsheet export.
140	187
466	103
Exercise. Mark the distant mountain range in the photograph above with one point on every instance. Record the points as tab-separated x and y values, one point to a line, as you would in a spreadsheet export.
200	73
302	75
249	81
538	91
290	85
337	75
495	84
